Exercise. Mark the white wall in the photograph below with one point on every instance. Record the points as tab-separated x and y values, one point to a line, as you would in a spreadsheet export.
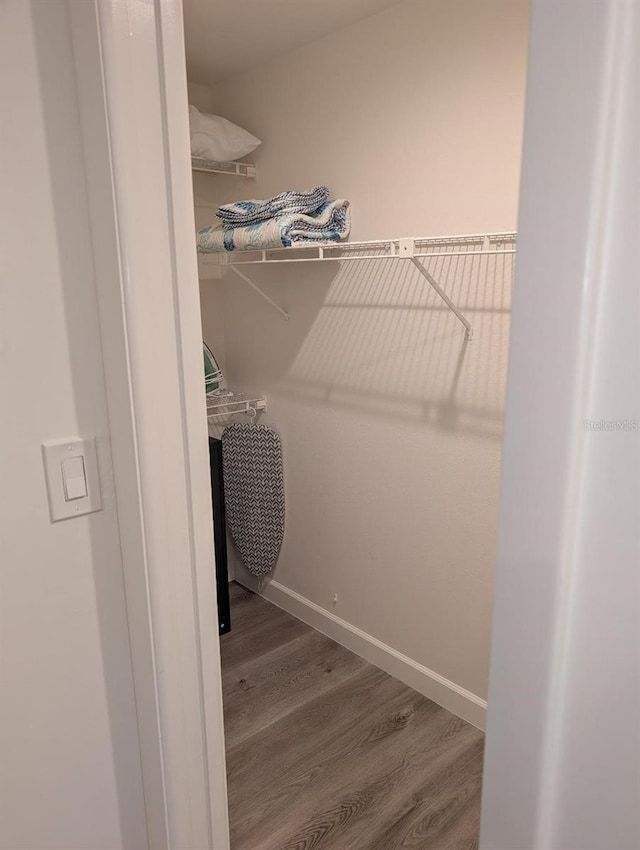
70	766
391	426
201	97
563	743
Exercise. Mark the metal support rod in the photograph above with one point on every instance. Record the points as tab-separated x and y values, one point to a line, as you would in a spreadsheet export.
468	329
262	294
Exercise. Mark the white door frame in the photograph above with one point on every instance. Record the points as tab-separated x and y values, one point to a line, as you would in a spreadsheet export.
130	68
563	731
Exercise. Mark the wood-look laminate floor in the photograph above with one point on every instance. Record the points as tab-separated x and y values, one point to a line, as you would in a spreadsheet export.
325	751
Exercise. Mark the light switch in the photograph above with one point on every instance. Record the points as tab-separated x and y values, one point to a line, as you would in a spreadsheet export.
73	482
73	478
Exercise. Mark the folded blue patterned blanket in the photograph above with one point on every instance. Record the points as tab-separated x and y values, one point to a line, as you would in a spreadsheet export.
243	213
330	223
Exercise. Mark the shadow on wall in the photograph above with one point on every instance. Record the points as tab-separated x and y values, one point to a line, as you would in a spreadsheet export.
377	339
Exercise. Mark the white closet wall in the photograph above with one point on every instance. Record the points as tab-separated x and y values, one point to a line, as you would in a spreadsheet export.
391	426
201	97
70	773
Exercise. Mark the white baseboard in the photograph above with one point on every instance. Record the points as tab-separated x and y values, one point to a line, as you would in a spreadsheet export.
430	684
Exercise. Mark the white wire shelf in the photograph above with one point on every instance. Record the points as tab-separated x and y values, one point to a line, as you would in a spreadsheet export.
223	404
237	169
413	246
417	249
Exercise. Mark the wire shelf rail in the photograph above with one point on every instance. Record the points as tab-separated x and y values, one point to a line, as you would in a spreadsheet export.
237	169
223	404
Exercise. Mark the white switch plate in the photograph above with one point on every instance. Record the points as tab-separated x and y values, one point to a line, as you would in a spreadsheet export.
56	456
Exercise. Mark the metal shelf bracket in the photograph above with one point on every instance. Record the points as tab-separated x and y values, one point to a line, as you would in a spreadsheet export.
260	292
468	330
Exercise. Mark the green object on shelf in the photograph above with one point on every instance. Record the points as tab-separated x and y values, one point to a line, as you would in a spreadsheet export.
212	372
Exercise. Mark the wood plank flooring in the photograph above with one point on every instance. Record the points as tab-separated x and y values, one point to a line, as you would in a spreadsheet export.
325	751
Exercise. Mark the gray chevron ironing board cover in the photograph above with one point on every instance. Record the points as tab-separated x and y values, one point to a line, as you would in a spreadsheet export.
254	493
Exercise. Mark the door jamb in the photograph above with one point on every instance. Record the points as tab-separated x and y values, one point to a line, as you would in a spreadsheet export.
131	80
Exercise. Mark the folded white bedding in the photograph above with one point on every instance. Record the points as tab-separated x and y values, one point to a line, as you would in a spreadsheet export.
243	213
215	138
330	223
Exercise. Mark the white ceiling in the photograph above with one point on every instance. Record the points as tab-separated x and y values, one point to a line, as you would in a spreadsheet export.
226	36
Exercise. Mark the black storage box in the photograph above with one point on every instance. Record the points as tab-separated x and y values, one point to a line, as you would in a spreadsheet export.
219	535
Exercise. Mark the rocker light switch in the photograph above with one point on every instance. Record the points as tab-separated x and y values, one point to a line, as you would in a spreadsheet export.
73	477
73	483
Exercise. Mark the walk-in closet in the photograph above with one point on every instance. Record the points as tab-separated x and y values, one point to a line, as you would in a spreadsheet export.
356	175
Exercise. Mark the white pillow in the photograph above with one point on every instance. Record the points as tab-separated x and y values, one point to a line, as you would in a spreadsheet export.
213	137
